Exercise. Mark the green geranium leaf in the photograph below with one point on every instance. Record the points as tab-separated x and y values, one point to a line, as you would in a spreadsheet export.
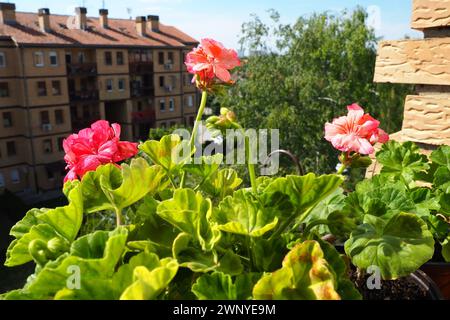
442	179
268	254
303	193
149	283
402	161
243	214
190	255
222	183
220	286
110	188
446	249
398	246
92	260
169	152
44	234
305	275
425	201
441	156
191	213
208	166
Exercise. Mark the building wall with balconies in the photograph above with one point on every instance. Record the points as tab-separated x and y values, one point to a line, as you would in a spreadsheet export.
167	60
43	62
112	61
47	91
167	84
114	87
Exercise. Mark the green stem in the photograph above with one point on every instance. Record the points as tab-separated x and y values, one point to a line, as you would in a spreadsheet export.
342	169
315	224
118	216
195	130
250	165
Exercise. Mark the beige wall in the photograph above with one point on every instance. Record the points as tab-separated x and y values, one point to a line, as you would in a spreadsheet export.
35	100
22	151
163	91
11	68
31	70
167	114
37	127
18	116
102	68
15	93
48	184
176	64
115	94
24	174
40	156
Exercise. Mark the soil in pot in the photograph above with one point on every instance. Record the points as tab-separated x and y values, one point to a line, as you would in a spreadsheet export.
408	288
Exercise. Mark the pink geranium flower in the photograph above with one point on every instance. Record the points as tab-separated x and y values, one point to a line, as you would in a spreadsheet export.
212	60
94	146
356	132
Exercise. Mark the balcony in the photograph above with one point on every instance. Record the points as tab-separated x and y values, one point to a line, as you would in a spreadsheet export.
84	95
143	117
82	69
141	68
142	92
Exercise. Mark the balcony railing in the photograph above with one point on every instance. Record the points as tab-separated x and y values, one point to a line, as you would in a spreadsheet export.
141	67
84	95
142	92
82	69
143	116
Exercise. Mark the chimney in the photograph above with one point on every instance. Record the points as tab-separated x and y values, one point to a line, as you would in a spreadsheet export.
155	22
7	13
44	19
141	26
80	18
103	18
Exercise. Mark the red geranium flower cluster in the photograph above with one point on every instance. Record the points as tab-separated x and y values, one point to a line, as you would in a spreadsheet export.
211	61
100	144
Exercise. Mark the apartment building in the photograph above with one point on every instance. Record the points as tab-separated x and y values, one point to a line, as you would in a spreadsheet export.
58	74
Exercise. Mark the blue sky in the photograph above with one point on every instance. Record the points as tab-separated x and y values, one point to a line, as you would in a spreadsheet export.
222	19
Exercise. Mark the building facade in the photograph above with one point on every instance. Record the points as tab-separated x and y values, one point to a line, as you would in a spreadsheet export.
59	74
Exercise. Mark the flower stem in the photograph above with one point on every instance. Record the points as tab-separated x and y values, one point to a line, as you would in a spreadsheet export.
251	166
118	216
195	130
342	169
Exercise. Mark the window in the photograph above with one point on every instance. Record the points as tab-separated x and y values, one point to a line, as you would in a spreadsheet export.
61	144
108	58
56	88
39	59
45	118
120	59
4	90
171	105
7	119
2	60
163	125
59	116
42	88
68	58
109	85
15	176
11	148
173	124
161	81
2	180
161	57
53	58
121	84
162	105
47	146
192	120
81	57
171	57
190	101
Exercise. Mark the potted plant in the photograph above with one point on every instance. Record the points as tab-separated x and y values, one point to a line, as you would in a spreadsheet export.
162	225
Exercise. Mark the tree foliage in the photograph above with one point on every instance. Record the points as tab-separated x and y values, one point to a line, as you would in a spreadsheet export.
298	76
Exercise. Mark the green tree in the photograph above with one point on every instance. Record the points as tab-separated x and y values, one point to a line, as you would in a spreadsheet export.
298	76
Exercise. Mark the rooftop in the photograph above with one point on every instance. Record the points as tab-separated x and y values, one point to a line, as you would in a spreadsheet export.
120	32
